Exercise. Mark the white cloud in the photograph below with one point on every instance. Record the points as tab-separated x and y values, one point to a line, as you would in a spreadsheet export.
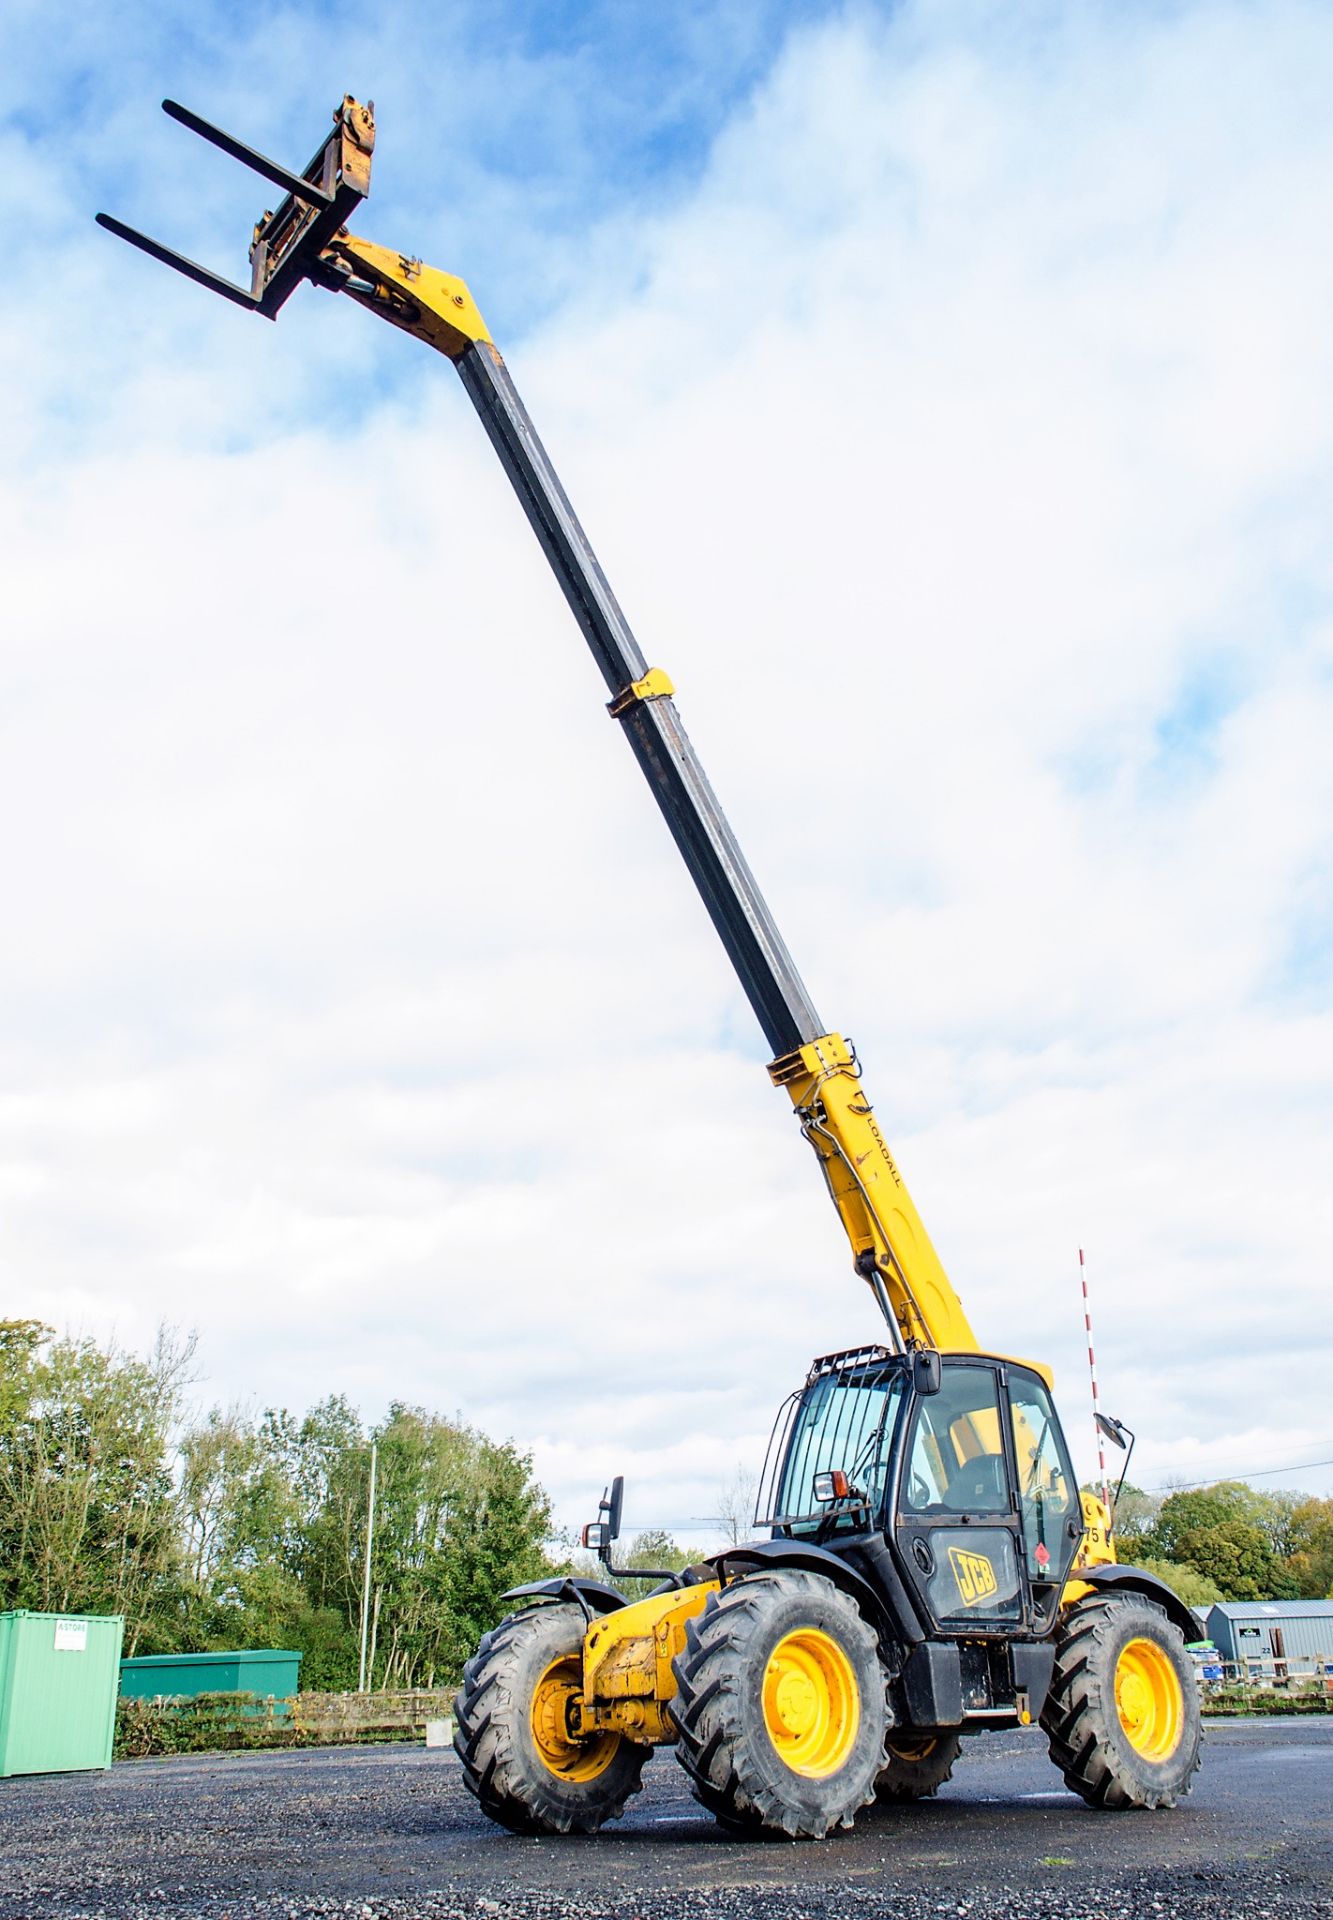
973	411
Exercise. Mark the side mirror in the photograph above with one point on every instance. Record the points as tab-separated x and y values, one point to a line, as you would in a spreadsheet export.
927	1373
601	1533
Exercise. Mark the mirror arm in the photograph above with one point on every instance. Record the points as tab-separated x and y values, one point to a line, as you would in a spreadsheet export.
1119	1485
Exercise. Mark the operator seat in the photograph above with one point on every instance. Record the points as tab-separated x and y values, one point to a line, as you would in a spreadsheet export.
979	1486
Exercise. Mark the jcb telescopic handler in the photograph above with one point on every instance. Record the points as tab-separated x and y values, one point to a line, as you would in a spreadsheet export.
929	1566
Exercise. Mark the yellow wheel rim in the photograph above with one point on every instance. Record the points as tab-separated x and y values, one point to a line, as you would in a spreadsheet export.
914	1750
812	1705
1149	1699
570	1759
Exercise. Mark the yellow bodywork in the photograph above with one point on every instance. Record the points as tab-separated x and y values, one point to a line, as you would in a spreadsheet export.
433	306
656	684
1098	1546
627	1655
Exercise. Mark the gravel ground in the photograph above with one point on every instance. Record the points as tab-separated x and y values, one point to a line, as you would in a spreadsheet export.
390	1834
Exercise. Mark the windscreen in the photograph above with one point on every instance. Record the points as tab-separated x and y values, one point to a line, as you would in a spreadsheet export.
841	1419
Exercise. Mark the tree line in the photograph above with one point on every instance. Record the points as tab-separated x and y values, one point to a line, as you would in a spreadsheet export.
231	1530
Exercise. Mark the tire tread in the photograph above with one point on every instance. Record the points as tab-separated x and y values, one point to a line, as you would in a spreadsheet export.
1080	1719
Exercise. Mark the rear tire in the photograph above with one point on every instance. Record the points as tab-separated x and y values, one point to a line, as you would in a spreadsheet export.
512	1737
918	1765
1122	1715
781	1706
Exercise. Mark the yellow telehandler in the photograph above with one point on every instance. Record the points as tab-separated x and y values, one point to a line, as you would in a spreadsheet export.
925	1564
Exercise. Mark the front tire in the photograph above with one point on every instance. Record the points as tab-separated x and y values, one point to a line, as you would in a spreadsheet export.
1122	1715
781	1706
512	1733
918	1765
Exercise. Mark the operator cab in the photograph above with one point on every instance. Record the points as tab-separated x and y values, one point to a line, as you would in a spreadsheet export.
960	1466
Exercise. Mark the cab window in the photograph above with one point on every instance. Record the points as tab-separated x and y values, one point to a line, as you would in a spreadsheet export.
1048	1497
956	1461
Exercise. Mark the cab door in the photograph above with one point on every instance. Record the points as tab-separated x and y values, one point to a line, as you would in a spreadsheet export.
1050	1512
957	1521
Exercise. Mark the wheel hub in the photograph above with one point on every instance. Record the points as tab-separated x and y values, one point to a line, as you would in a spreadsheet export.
1148	1700
552	1733
796	1701
812	1707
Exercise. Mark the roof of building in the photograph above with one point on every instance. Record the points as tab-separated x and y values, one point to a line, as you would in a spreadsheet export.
1273	1609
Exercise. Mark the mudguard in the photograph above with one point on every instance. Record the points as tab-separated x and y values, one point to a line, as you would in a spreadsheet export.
753	1554
1121	1579
591	1595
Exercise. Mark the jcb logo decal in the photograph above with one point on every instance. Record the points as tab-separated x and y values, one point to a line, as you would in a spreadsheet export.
974	1573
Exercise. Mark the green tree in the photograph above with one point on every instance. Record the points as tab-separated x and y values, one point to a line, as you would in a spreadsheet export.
656	1548
1194	1507
1233	1554
1254	1544
1135	1519
21	1343
297	1544
1185	1581
425	1463
493	1540
239	1518
653	1549
458	1519
322	1462
87	1513
1309	1562
1189	1510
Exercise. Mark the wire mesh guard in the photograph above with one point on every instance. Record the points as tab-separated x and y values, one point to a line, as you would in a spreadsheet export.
842	1417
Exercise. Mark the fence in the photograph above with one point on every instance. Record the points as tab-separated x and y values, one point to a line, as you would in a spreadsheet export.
1297	1683
220	1722
358	1716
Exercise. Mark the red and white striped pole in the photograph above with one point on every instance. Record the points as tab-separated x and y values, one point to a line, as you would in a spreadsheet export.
1092	1369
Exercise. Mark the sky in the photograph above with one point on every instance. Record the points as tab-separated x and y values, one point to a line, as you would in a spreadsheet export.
947	392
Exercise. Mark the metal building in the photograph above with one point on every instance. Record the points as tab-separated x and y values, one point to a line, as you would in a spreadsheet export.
151	1676
1274	1636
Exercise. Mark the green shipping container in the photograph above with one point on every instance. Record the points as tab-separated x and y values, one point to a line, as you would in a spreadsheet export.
58	1676
182	1675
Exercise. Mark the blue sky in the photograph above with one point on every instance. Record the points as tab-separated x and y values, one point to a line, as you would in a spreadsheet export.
949	394
514	133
